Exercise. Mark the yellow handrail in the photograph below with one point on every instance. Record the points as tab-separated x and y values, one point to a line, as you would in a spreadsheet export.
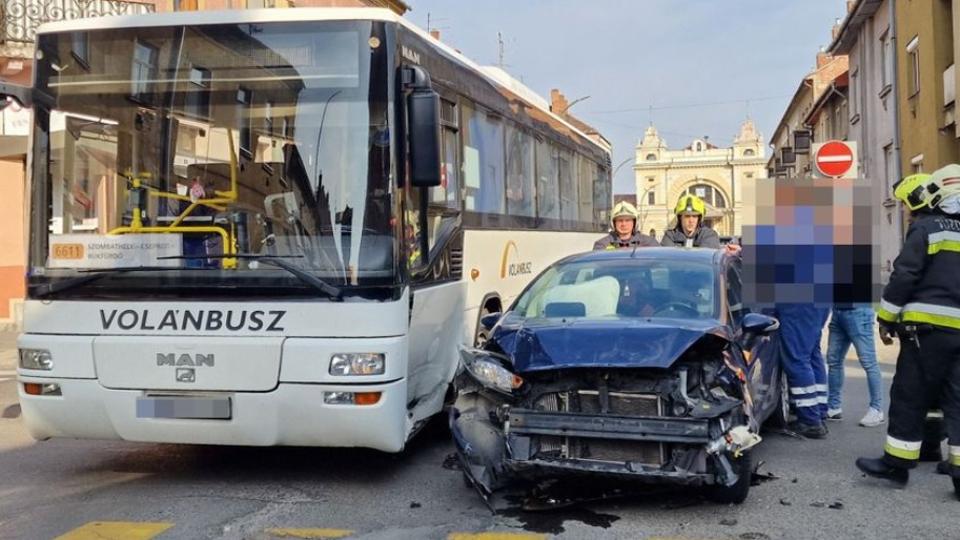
223	198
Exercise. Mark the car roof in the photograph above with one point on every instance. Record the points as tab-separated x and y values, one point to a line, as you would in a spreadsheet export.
692	255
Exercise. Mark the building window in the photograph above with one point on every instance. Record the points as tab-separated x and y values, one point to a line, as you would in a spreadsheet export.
651	198
143	70
913	67
197	101
709	195
80	47
244	102
651	157
699	147
916	163
184	5
889	170
268	117
854	96
886	61
749	152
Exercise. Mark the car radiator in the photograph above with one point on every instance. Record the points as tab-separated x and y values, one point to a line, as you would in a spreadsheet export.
607	450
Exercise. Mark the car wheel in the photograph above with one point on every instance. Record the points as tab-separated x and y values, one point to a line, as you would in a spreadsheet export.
737	493
781	413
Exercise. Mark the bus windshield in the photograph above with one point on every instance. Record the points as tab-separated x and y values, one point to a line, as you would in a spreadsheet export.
195	154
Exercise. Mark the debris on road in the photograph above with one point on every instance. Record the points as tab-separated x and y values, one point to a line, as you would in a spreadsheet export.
729	522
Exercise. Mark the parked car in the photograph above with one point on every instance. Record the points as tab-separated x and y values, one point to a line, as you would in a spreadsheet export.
632	365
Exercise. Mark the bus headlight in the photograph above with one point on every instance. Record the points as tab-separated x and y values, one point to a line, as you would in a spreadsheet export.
36	359
357	364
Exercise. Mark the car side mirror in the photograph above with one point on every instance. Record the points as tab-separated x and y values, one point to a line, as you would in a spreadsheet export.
490	320
759	324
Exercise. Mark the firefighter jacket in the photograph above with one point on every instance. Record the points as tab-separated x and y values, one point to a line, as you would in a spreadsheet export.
925	284
612	241
704	237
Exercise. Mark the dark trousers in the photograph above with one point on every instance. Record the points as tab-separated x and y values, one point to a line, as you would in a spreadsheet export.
925	375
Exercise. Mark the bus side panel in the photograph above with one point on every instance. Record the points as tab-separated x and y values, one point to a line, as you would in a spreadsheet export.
506	261
435	322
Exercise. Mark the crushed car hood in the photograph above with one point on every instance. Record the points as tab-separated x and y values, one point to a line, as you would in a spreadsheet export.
542	344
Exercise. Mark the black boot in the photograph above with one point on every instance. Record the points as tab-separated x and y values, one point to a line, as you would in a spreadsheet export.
930	451
878	468
943	467
809	431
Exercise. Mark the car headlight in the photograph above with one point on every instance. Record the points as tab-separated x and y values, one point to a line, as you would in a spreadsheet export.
36	359
487	370
357	364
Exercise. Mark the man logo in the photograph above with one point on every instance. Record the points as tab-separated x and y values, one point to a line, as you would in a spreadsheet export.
186	375
514	268
192	360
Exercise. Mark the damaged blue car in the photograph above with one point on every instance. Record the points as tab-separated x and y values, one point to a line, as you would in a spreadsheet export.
630	366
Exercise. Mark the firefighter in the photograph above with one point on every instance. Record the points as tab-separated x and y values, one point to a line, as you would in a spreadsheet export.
623	232
921	304
689	231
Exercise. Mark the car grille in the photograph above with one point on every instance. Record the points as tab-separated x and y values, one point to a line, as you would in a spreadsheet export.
608	450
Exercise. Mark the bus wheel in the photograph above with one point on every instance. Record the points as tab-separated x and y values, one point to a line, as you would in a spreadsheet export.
482	334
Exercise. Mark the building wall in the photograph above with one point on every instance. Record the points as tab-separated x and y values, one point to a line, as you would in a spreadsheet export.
668	174
14	237
925	146
871	116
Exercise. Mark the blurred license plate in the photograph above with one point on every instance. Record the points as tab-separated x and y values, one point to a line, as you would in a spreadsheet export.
184	407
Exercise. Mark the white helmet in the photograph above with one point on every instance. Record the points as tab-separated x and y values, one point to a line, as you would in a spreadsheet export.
623	209
944	187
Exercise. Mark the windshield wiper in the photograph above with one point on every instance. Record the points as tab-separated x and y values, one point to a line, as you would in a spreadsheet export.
332	291
92	274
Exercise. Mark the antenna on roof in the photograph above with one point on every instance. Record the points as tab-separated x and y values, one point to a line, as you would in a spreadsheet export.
500	49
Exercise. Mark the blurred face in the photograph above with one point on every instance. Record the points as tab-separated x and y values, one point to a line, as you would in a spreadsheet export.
689	223
624	226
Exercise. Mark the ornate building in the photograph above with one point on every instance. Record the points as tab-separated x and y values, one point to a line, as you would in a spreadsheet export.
716	175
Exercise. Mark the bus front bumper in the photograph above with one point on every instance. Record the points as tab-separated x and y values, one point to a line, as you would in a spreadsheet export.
290	415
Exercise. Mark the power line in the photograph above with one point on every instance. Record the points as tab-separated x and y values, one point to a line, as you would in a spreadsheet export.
691	105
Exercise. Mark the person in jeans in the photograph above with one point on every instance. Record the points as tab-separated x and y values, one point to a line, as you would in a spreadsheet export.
853	325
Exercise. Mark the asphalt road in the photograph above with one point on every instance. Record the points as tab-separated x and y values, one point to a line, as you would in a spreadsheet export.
98	489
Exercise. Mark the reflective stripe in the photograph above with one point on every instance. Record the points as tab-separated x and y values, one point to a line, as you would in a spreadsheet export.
800	390
943	241
935	414
955	456
821	399
810	402
902	449
933	309
821	387
890	307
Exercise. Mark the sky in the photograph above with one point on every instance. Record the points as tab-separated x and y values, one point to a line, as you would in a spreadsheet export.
702	65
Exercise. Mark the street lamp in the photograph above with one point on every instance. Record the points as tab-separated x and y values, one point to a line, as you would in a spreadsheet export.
571	104
643	197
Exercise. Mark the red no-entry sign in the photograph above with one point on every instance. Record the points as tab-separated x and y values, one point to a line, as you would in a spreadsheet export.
834	159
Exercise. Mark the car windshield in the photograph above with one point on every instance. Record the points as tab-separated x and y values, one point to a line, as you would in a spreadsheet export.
622	288
175	148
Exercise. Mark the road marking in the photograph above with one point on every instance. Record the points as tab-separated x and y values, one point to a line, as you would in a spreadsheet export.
496	536
321	534
116	530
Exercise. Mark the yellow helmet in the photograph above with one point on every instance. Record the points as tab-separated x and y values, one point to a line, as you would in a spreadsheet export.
623	209
912	191
690	205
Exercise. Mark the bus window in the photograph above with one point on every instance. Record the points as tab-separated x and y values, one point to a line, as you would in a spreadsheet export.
448	192
548	191
601	196
585	180
568	186
483	162
520	181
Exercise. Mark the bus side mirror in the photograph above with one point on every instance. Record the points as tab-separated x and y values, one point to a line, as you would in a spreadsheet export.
423	117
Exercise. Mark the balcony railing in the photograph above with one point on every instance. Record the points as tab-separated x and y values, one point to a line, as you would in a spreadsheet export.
21	18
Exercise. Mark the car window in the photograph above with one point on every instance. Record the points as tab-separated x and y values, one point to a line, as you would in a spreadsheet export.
622	289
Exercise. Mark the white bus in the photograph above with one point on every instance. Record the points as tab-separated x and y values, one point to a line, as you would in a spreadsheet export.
274	227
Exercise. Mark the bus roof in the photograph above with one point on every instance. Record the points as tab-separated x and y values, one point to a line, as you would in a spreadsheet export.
198	18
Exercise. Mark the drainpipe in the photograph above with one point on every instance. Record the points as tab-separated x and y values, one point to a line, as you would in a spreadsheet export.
896	107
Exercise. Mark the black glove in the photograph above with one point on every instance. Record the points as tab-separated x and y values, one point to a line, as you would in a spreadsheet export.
887	331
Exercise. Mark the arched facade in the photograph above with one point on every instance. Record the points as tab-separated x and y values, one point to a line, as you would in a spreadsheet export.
715	174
